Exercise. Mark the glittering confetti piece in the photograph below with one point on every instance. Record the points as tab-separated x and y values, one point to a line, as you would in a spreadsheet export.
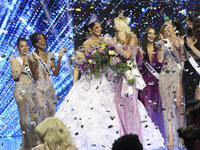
78	9
76	133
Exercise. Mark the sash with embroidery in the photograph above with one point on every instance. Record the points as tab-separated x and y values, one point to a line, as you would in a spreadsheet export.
46	69
151	69
26	68
171	52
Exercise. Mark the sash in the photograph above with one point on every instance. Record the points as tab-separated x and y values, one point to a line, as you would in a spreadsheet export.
193	63
171	52
47	71
26	68
151	69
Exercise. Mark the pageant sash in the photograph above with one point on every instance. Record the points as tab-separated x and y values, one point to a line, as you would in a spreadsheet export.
171	52
26	68
192	62
151	69
46	69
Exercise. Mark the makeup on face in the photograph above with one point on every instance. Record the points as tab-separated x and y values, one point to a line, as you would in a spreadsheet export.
41	42
23	48
168	29
96	29
151	35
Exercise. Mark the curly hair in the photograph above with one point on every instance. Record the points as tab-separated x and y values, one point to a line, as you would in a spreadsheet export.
54	134
127	142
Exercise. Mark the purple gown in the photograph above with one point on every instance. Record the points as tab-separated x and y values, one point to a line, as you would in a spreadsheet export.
150	96
127	108
134	118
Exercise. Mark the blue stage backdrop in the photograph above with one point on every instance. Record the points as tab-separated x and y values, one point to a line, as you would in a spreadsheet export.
63	22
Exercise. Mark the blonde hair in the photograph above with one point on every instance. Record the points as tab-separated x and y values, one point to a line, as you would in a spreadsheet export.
123	29
54	134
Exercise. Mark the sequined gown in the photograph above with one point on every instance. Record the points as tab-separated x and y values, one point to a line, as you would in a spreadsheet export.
44	94
90	114
169	77
150	95
134	118
27	112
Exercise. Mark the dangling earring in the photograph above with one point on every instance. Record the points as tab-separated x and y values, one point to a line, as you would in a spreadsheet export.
90	32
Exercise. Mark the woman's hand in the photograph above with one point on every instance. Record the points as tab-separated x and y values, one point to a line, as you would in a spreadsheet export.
62	52
116	60
35	57
189	42
79	54
110	42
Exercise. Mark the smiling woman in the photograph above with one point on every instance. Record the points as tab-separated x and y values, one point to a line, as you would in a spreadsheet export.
23	94
42	61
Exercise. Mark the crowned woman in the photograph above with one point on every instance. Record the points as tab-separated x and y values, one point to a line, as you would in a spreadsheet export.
89	110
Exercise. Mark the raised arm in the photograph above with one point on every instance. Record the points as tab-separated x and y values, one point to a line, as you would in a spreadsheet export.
16	69
124	51
55	68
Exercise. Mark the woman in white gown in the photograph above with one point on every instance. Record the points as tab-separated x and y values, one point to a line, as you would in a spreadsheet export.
89	110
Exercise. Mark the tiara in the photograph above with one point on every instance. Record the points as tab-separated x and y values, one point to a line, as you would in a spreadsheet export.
92	19
123	18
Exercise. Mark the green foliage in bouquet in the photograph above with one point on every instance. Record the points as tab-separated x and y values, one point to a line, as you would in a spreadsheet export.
96	60
121	67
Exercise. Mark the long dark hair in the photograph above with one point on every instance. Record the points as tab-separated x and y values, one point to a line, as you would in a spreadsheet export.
145	42
178	25
194	17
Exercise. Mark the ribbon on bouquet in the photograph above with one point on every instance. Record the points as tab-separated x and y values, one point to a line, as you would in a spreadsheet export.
139	81
26	68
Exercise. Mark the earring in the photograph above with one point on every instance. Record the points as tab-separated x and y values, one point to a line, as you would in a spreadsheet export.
90	32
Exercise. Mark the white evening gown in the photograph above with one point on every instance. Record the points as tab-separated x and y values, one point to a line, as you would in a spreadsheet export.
90	114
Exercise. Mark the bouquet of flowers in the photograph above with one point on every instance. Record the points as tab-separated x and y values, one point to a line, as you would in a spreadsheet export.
96	60
124	68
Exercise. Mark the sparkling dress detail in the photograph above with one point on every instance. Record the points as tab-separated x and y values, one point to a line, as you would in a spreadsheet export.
44	94
169	77
27	111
